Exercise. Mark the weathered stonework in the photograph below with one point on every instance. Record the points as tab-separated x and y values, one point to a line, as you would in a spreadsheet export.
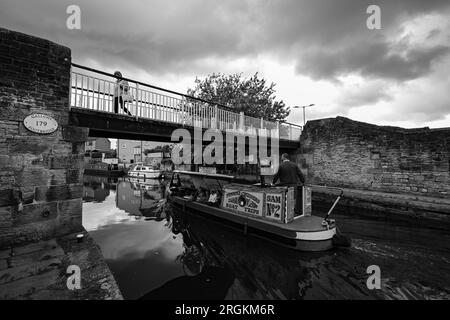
343	153
38	271
40	175
346	153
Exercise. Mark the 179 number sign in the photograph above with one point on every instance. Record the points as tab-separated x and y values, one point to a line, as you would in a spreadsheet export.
40	123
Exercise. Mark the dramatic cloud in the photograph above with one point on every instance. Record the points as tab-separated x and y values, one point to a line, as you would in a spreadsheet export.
368	93
372	60
318	44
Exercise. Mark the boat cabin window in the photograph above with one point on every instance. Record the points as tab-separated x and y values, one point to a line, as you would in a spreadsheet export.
138	168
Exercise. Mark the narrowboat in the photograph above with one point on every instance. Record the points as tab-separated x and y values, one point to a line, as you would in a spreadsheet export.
265	211
103	169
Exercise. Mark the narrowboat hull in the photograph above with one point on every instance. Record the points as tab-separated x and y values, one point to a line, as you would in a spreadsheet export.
305	233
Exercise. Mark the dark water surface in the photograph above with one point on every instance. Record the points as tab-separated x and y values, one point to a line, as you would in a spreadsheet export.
156	252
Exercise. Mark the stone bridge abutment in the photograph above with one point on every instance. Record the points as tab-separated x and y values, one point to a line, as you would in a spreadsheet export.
40	174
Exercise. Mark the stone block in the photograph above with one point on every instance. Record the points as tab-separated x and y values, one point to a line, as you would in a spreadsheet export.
27	194
31	145
59	192
9	197
3	265
70	208
9	127
58	176
35	247
67	161
442	178
26	286
35	212
75	134
33	176
30	270
74	176
6	220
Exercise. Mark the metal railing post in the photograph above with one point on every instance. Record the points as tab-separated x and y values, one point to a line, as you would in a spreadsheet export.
216	112
70	89
137	104
182	112
98	96
87	94
241	120
82	92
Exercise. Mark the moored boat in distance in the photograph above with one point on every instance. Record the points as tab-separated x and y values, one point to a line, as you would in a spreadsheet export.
143	171
265	211
104	169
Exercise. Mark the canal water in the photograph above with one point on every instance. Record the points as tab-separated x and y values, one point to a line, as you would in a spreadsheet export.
156	252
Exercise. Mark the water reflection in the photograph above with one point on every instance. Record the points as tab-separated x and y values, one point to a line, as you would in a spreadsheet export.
141	198
157	252
97	188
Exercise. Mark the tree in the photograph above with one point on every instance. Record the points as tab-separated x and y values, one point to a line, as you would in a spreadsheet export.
165	148
253	95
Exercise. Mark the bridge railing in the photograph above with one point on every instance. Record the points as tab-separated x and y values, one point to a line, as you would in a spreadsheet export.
96	90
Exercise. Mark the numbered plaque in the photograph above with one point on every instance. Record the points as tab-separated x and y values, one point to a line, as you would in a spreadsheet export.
40	123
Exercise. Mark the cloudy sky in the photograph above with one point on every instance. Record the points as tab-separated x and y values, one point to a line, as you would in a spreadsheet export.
316	51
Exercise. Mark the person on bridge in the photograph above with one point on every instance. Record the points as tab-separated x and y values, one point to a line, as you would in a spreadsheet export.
290	175
120	90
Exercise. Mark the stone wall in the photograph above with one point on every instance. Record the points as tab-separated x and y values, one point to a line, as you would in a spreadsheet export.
345	153
40	175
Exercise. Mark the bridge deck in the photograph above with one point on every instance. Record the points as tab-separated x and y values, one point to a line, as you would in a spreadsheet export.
155	112
119	126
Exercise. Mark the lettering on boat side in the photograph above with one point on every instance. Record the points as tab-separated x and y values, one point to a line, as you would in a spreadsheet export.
243	201
274	205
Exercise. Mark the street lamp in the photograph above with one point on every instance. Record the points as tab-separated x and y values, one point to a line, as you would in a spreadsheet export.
298	107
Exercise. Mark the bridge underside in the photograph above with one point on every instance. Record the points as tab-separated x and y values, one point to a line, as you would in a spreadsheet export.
109	125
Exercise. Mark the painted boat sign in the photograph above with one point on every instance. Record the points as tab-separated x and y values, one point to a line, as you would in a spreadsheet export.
275	205
40	123
243	201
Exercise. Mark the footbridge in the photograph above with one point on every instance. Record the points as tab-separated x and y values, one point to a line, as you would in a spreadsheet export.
153	113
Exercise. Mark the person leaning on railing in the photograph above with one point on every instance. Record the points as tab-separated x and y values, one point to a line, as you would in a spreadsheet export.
121	93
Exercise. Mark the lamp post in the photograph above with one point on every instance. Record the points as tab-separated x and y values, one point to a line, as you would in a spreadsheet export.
304	118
